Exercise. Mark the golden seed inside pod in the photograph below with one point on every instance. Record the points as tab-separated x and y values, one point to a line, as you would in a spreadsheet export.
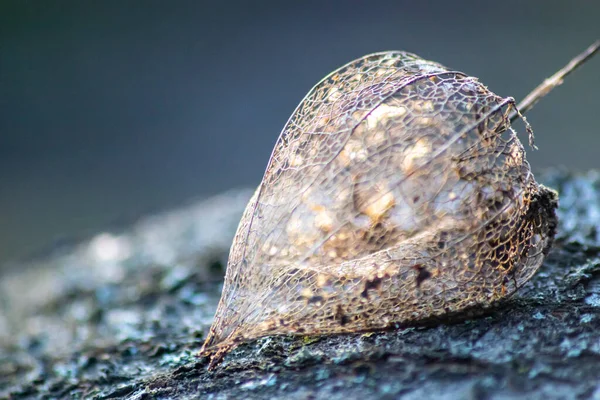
324	221
422	106
423	121
419	150
377	208
324	121
377	138
322	280
383	112
353	151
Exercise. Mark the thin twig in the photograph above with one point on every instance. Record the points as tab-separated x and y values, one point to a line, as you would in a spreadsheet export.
555	80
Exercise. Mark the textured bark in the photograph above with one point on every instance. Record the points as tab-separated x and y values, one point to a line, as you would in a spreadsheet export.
122	315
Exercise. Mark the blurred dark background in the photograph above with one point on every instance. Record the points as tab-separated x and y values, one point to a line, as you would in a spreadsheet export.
114	109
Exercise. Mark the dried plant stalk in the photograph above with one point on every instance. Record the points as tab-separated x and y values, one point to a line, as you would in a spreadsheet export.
397	192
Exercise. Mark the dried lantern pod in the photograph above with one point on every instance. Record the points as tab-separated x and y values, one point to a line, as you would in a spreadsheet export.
397	192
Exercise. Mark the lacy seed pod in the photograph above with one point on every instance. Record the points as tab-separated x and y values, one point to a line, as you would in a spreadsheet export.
397	192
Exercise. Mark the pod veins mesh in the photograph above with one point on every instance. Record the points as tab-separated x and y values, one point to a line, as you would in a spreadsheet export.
398	191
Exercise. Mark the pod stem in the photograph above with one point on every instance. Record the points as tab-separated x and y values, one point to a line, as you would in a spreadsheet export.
555	80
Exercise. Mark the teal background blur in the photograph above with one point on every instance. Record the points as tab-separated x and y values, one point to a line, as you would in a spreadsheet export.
114	109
